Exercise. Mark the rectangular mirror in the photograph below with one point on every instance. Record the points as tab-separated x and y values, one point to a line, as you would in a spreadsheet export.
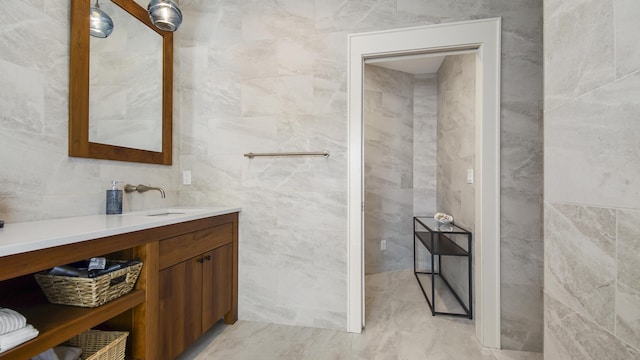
120	89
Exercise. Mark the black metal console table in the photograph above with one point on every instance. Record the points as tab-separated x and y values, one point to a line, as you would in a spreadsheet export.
438	240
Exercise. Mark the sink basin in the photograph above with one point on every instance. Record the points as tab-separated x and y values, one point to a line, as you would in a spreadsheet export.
165	212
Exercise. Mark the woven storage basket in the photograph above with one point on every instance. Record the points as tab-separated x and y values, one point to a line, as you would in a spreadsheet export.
101	345
88	292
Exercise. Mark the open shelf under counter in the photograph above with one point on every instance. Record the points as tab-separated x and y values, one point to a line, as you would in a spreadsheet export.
59	323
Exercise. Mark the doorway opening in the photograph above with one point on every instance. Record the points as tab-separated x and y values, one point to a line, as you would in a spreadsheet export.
482	37
419	134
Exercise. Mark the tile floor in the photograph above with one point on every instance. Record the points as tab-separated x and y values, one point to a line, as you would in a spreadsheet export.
399	325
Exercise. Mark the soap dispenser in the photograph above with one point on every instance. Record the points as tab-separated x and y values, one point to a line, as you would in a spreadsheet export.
114	199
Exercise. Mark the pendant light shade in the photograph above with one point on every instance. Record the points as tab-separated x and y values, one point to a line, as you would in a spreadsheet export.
165	14
100	24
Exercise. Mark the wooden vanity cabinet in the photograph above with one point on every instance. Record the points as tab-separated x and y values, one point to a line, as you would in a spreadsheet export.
188	282
196	286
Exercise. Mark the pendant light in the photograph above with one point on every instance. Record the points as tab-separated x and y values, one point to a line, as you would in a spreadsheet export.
100	24
165	14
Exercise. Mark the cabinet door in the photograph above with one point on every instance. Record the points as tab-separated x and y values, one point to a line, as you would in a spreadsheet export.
171	311
180	304
217	285
193	299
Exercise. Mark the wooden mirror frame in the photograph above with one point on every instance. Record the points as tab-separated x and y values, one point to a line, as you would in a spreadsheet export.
79	144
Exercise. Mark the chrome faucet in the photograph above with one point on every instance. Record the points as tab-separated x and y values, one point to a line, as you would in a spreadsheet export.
142	188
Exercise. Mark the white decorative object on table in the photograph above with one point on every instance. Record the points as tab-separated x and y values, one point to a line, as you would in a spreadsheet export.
443	218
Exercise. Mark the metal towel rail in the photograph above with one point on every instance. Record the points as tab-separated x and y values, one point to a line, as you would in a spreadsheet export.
308	153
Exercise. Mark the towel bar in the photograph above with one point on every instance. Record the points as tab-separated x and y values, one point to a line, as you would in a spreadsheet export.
312	153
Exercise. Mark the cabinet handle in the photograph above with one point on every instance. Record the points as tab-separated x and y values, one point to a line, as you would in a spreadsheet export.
201	260
208	257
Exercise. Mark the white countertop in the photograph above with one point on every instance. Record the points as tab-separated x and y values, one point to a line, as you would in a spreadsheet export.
22	237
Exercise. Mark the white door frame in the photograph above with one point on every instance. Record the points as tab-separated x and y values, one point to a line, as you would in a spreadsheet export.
484	36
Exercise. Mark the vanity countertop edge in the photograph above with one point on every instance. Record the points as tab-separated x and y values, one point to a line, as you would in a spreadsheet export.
16	238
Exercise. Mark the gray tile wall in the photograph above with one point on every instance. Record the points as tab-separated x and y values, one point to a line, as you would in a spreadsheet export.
456	138
455	154
592	210
388	168
400	163
425	145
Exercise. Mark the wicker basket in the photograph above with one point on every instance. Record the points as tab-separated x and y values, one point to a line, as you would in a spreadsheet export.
101	345
88	292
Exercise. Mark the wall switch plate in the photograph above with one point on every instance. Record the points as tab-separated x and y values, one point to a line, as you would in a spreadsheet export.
186	177
469	176
383	245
